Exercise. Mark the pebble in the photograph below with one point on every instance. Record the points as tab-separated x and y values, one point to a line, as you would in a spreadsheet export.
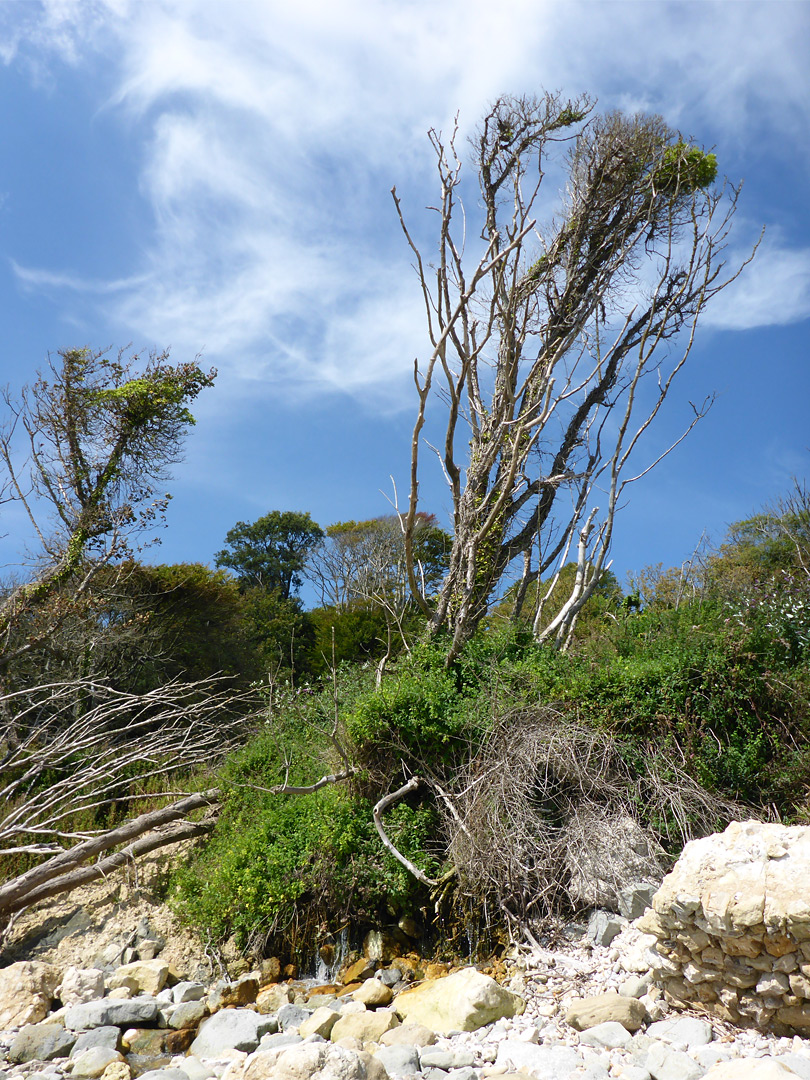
671	1046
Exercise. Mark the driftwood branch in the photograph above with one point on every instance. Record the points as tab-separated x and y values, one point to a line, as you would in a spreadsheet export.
382	805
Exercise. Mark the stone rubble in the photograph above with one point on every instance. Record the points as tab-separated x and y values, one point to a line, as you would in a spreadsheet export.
589	1012
730	926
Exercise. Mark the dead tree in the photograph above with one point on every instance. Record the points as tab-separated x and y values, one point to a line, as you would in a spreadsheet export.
553	347
82	767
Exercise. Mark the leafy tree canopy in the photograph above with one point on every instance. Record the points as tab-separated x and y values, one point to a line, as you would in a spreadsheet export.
270	553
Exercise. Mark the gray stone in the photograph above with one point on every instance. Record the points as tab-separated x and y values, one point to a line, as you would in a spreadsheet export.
187	991
636	985
635	898
466	1073
604	926
798	1063
230	1029
276	1039
108	1037
543	1062
186	1015
292	1016
164	1074
40	1042
389	976
683	1032
610	1035
399	1060
664	1063
92	1062
111	1012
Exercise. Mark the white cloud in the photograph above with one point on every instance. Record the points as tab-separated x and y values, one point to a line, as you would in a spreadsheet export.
774	290
274	131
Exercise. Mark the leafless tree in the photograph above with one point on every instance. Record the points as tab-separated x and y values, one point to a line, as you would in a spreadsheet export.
553	347
76	755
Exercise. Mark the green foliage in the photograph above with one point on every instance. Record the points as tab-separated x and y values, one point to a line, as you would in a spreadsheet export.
685	167
271	553
278	866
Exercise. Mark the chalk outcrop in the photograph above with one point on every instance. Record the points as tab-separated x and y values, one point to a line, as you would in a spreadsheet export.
732	926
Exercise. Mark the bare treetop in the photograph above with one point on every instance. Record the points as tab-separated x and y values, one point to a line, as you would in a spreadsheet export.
539	342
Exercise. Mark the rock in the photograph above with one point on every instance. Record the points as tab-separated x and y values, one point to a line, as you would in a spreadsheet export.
163	1074
542	1062
604	926
684	1032
112	1013
664	1063
94	1061
750	1069
636	986
359	971
605	854
26	992
320	1023
384	945
463	1001
402	1060
187	1014
290	1017
40	1042
188	991
611	1035
80	984
243	991
117	1070
365	1026
432	1057
588	1012
141	976
230	1029
319	1061
196	1069
636	898
271	998
145	1042
109	1037
408	1035
373	993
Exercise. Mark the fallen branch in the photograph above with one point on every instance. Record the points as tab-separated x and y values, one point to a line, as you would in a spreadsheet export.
382	805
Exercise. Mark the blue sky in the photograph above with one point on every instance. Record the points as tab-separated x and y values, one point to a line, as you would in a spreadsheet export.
215	177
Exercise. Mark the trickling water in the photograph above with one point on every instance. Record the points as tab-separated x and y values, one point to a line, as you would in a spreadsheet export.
326	972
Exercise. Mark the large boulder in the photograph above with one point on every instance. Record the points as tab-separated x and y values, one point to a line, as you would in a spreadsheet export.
732	921
603	1008
231	1029
463	1001
26	992
41	1042
141	976
111	1012
80	984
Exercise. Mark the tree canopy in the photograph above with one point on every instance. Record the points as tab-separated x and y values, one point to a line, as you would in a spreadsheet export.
271	552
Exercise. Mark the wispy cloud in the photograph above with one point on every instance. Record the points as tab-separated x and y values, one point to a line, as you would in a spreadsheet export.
269	135
774	290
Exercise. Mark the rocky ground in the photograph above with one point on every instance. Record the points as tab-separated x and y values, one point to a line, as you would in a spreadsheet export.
588	1010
